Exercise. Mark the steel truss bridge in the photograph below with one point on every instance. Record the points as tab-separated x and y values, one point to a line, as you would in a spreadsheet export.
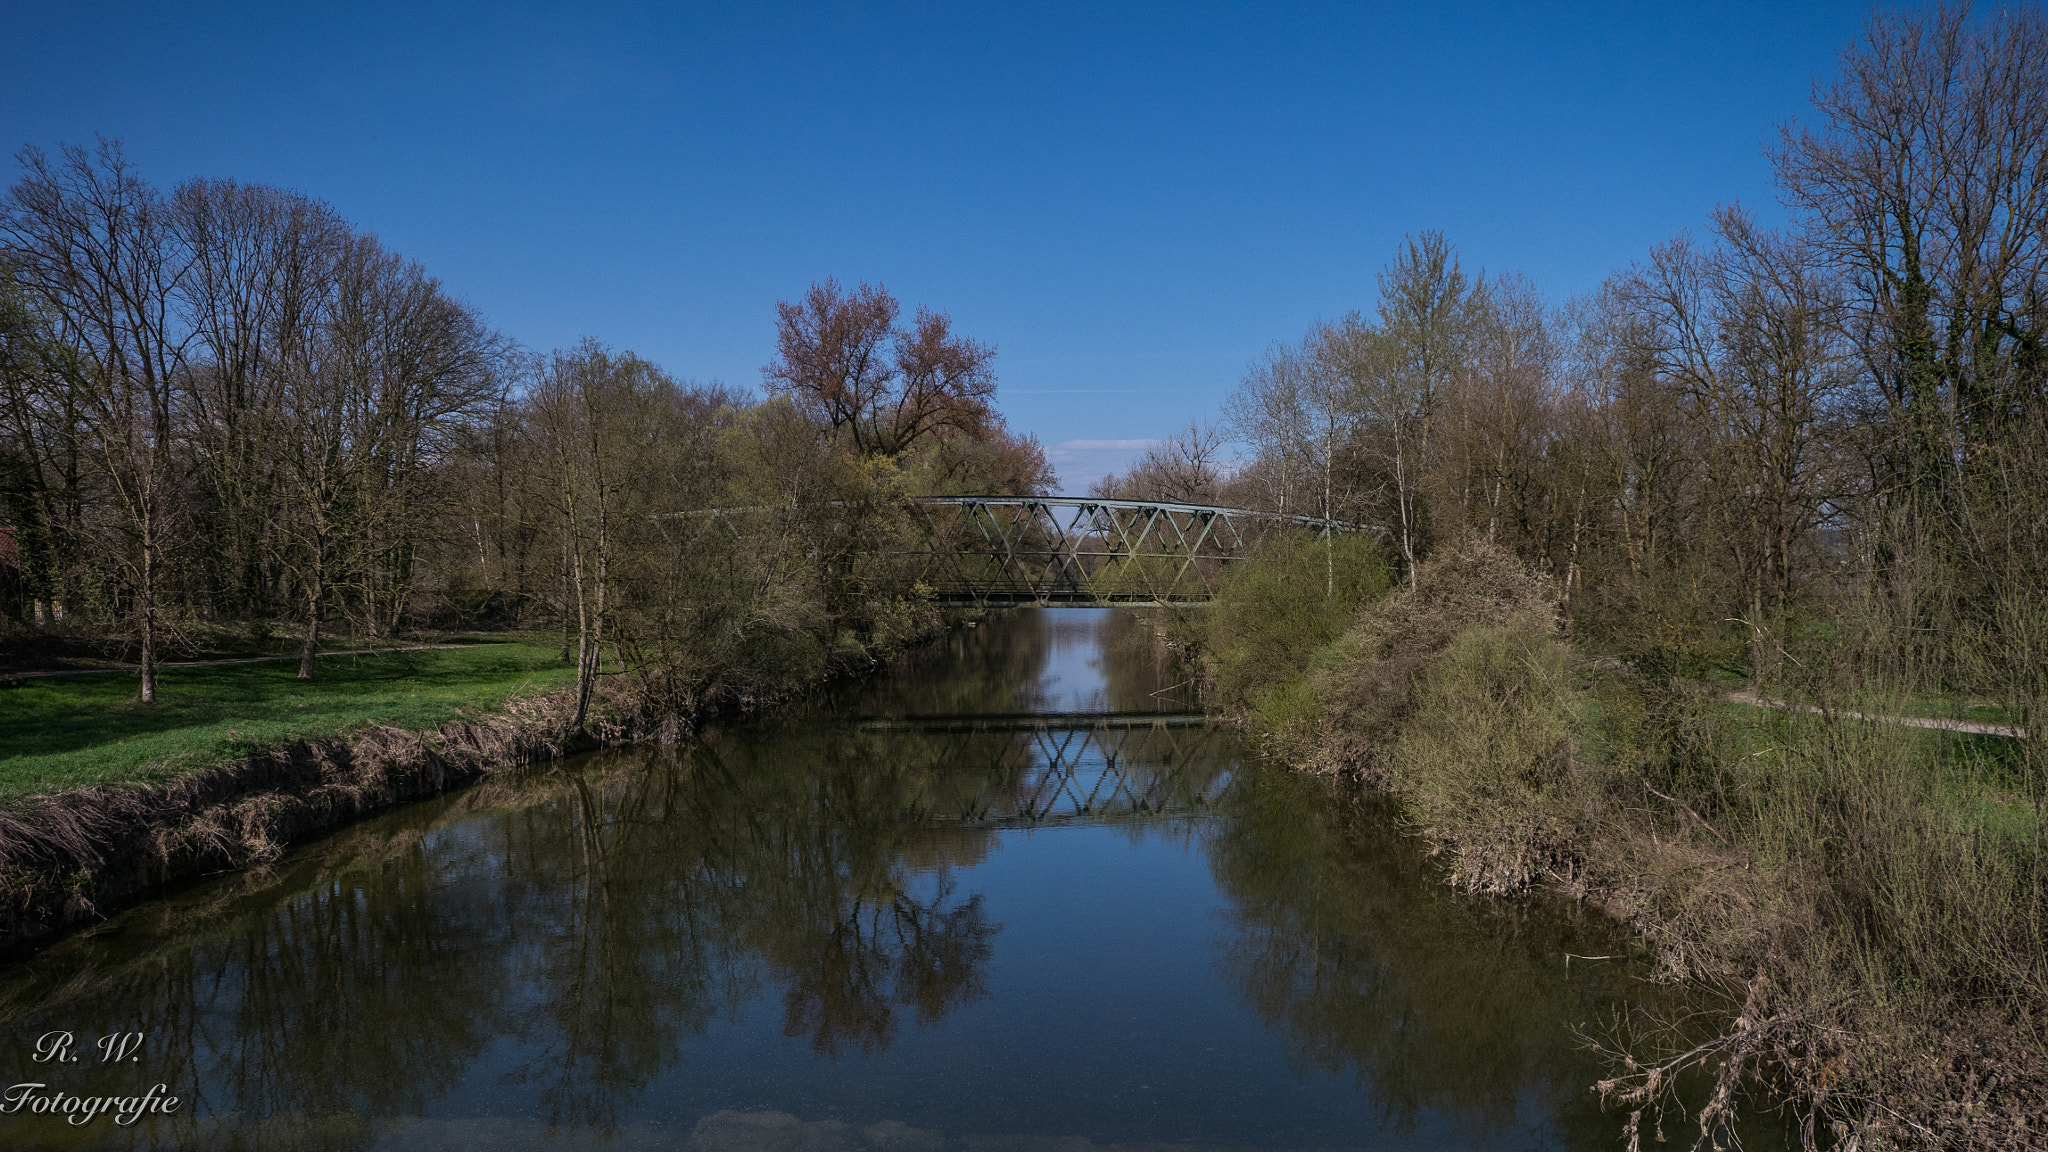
1044	551
1040	769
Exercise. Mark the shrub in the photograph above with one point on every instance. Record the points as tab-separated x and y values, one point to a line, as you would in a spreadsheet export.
1486	761
1368	684
1281	609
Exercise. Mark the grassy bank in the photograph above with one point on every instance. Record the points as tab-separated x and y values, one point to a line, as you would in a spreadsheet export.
1869	895
89	730
104	801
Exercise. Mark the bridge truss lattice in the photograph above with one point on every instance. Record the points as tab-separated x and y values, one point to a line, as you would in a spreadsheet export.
1064	550
1048	769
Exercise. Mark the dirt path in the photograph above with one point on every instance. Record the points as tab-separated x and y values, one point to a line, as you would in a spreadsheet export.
1974	727
5	676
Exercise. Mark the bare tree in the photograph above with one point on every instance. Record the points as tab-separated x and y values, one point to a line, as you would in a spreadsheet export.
261	277
1428	312
596	417
1344	359
1184	468
943	381
93	243
1270	413
1926	185
841	357
314	445
1498	407
421	367
1746	337
1298	409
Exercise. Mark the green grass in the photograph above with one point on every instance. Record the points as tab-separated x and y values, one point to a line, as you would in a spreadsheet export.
64	732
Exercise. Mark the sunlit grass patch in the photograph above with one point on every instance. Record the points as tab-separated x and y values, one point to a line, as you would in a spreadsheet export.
65	732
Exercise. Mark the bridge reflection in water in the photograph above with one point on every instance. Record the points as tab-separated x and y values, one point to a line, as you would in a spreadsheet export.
1053	768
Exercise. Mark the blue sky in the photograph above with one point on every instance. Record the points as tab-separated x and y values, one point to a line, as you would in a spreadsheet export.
1130	201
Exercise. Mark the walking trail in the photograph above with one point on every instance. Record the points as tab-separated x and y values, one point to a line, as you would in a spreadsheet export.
1974	727
5	676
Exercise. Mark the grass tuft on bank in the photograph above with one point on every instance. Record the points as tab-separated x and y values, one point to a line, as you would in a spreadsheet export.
65	732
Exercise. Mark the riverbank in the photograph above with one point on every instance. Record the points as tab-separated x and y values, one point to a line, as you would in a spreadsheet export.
1866	893
87	729
1132	935
104	805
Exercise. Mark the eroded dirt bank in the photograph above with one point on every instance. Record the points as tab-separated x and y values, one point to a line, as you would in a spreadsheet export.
70	858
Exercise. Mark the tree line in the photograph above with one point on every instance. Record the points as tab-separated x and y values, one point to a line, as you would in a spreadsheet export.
1740	423
225	406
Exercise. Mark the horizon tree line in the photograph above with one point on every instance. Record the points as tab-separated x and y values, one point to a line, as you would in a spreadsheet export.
226	406
1735	428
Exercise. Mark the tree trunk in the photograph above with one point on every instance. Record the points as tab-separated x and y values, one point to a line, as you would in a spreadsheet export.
312	630
565	600
148	616
583	637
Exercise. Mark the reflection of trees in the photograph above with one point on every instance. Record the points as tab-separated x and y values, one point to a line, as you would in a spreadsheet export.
601	915
368	992
596	915
628	945
879	953
998	667
1433	1001
1141	671
670	889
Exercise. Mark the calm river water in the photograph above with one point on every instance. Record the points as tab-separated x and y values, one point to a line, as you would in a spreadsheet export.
1012	897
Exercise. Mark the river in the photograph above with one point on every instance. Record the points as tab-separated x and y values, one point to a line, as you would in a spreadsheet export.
1012	896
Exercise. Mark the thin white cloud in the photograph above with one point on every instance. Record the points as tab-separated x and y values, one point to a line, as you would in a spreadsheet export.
1074	446
1082	462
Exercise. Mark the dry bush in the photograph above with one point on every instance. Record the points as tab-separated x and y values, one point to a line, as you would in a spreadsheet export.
1370	681
1457	696
1487	764
1876	886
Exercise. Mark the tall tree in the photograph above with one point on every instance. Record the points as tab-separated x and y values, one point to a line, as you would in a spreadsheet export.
256	297
1269	412
421	367
1428	315
596	416
1745	338
94	245
1498	408
1925	183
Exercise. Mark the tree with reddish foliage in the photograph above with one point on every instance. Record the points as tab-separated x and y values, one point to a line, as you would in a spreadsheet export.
843	359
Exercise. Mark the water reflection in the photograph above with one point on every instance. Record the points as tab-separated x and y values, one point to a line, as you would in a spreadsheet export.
822	935
1429	1003
1054	660
601	914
